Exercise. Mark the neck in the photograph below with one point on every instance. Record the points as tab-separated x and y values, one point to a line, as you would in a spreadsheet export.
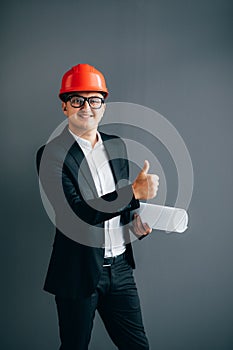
89	135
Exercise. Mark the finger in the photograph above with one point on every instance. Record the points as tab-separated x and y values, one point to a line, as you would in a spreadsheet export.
148	229
135	224
153	178
141	228
146	167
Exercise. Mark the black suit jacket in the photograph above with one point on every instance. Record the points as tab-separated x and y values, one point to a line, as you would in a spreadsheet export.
77	256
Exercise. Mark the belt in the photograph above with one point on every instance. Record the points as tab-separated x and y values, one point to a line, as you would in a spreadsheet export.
113	260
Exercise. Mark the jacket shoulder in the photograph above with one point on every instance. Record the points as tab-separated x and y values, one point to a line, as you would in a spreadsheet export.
55	148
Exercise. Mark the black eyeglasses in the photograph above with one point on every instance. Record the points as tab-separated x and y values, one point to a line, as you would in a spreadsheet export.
94	102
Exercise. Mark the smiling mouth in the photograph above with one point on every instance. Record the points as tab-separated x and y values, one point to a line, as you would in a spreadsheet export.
83	115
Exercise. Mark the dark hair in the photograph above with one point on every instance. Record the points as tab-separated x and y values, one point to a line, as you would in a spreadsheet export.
64	97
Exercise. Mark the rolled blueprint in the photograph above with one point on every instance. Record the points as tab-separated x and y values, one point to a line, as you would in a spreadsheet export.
163	218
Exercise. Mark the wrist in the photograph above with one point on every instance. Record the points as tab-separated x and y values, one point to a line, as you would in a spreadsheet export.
135	191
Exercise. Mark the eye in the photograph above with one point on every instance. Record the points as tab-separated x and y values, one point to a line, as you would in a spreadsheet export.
76	100
95	101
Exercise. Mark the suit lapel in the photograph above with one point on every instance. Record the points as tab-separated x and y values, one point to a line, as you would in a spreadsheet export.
112	150
77	154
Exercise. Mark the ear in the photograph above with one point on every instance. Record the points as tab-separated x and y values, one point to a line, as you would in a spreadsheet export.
64	108
103	110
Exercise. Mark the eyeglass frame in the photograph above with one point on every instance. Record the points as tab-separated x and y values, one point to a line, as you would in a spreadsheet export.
84	100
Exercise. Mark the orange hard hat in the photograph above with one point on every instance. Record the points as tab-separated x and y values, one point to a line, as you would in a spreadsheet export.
83	77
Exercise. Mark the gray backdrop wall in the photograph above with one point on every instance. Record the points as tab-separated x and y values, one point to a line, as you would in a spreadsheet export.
172	56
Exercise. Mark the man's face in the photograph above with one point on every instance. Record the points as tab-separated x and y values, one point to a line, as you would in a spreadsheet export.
84	118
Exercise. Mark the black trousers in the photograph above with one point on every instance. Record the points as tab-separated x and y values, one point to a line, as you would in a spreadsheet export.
117	302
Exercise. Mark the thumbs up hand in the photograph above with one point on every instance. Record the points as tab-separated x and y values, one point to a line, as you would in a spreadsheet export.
145	185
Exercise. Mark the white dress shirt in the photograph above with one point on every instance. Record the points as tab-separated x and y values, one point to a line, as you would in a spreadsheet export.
98	162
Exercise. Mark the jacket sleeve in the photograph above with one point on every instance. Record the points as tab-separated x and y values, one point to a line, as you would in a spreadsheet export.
62	191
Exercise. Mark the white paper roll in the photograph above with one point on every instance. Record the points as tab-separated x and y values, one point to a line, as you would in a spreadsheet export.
163	218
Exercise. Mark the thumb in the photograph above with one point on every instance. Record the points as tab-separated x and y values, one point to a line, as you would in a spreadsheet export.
146	167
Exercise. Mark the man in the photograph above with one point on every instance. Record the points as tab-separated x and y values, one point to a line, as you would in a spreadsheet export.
84	174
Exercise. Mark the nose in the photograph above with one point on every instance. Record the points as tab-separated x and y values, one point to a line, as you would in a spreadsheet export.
86	106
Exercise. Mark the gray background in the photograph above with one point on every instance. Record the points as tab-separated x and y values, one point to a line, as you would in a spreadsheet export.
172	56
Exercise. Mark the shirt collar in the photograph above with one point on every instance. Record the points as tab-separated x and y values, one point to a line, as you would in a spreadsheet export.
85	143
